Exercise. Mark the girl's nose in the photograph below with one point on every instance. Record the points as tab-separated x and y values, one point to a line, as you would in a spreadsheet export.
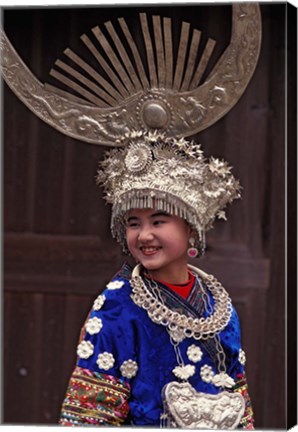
145	234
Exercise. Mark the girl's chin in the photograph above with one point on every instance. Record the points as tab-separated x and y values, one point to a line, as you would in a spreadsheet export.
149	265
150	259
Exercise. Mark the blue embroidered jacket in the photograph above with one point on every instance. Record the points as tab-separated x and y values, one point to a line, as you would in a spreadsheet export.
117	331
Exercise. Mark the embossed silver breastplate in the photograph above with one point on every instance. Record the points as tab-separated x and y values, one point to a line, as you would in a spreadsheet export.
186	408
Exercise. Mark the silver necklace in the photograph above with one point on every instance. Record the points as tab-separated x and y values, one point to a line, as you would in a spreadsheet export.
198	328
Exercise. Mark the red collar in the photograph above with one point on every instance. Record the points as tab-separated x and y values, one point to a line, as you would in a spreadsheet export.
181	289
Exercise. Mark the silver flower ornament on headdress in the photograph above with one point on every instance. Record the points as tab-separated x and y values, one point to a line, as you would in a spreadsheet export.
153	170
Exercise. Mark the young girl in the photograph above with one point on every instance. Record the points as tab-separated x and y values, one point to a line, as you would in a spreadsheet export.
161	345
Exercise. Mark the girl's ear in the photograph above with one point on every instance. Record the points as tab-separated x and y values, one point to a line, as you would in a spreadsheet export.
191	232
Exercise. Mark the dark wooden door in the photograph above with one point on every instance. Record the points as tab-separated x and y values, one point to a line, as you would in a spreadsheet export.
58	252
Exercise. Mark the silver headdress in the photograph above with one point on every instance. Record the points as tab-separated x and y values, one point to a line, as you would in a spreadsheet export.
148	114
170	174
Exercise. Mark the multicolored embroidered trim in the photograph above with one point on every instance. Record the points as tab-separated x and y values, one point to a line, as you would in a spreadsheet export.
94	399
247	421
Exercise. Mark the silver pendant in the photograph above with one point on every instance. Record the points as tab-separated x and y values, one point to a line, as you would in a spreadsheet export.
192	410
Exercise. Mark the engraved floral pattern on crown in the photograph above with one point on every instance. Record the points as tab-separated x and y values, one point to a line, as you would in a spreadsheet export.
138	158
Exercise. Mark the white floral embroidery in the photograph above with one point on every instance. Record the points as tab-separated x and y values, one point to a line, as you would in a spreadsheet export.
223	380
99	302
206	373
93	325
194	353
85	349
184	372
242	357
115	285
129	368
105	361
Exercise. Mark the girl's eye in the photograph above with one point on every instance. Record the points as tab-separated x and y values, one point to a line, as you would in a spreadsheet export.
159	222
132	225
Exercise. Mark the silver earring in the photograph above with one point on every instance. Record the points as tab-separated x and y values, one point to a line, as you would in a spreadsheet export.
192	251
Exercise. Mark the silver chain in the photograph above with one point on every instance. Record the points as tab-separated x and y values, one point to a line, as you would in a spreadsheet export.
156	292
220	355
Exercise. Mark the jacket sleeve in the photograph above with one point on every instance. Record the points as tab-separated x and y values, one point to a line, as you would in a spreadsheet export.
247	421
94	399
237	359
99	387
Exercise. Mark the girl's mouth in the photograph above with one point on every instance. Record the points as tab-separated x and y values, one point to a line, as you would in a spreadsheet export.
150	250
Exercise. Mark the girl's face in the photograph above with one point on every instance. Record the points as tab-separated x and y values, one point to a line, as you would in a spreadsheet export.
159	241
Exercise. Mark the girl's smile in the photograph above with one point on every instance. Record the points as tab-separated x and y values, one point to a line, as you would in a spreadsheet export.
147	251
159	241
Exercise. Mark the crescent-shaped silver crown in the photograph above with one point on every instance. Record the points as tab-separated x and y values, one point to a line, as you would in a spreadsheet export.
170	98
